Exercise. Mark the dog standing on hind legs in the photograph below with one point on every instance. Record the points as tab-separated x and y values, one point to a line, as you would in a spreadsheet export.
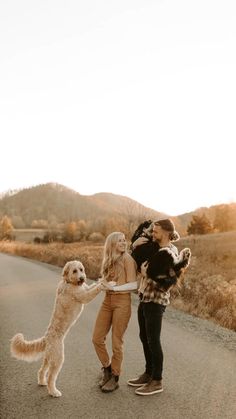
72	293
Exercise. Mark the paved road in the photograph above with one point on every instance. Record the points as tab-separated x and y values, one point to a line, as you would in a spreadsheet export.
199	369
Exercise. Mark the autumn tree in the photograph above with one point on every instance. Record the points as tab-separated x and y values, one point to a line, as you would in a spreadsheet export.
225	218
70	231
199	224
81	229
6	228
133	213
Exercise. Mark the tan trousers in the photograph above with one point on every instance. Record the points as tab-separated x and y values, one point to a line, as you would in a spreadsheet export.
115	312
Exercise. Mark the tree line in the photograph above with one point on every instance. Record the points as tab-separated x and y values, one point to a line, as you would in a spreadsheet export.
224	219
97	229
72	231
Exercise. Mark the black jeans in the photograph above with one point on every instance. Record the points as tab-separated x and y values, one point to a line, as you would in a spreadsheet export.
150	320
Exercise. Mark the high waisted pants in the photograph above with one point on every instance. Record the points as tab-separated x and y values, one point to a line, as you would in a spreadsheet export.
115	312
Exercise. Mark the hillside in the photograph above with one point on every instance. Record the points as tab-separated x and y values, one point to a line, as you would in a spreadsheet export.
59	204
55	204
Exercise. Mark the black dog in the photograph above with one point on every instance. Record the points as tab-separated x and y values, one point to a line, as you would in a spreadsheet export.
144	230
143	252
163	265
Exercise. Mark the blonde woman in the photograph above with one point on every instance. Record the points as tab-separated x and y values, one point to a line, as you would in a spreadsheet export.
120	268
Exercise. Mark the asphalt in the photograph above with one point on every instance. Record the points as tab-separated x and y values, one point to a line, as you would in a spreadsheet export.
199	359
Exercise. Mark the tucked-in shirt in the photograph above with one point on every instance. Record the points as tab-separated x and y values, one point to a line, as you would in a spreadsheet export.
127	272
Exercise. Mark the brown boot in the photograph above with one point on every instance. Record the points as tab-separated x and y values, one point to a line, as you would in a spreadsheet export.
106	376
139	381
153	387
112	384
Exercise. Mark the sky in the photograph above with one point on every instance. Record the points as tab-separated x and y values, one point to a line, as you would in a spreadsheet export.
132	97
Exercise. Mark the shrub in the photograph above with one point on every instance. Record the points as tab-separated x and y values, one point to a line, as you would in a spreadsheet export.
96	237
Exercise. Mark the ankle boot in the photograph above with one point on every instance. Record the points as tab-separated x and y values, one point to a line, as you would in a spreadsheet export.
111	385
106	376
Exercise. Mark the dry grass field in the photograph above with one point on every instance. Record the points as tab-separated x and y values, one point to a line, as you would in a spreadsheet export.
207	290
59	253
28	234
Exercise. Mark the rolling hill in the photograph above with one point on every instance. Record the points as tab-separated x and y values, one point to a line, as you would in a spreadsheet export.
55	202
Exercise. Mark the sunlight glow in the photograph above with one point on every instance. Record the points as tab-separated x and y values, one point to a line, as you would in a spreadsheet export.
132	97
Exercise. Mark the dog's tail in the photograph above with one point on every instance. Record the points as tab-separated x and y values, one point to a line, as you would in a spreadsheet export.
27	350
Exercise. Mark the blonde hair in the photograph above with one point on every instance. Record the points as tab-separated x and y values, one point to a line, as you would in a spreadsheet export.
113	261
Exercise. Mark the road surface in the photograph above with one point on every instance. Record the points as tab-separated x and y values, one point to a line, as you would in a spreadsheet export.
199	366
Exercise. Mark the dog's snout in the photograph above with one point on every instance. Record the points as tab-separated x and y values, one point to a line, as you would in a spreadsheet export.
81	279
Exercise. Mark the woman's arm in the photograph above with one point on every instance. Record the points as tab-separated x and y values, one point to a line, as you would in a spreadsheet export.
130	286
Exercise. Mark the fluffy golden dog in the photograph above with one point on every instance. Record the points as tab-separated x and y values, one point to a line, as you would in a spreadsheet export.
72	293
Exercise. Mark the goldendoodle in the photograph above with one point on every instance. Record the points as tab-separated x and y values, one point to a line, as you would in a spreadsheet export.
72	293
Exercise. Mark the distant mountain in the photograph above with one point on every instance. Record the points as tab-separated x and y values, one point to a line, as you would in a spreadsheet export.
57	203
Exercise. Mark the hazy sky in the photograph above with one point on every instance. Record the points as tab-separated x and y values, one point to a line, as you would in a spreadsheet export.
134	97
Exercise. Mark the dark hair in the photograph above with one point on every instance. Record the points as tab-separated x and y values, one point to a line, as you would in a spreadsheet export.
168	225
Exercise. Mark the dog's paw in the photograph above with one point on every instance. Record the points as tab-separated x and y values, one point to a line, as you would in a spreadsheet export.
42	378
186	253
106	286
42	382
55	393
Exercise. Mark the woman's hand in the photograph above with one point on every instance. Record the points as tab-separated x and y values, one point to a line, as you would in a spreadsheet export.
112	284
107	286
144	267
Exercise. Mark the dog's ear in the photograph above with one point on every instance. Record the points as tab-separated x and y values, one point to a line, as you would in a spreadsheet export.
139	230
148	230
65	271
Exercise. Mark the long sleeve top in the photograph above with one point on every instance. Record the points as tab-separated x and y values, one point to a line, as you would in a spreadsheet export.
127	272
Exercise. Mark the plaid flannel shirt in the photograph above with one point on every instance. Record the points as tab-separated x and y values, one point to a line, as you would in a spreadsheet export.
149	291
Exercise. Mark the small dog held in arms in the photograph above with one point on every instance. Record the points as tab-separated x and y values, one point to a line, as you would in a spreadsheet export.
72	293
163	266
141	253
